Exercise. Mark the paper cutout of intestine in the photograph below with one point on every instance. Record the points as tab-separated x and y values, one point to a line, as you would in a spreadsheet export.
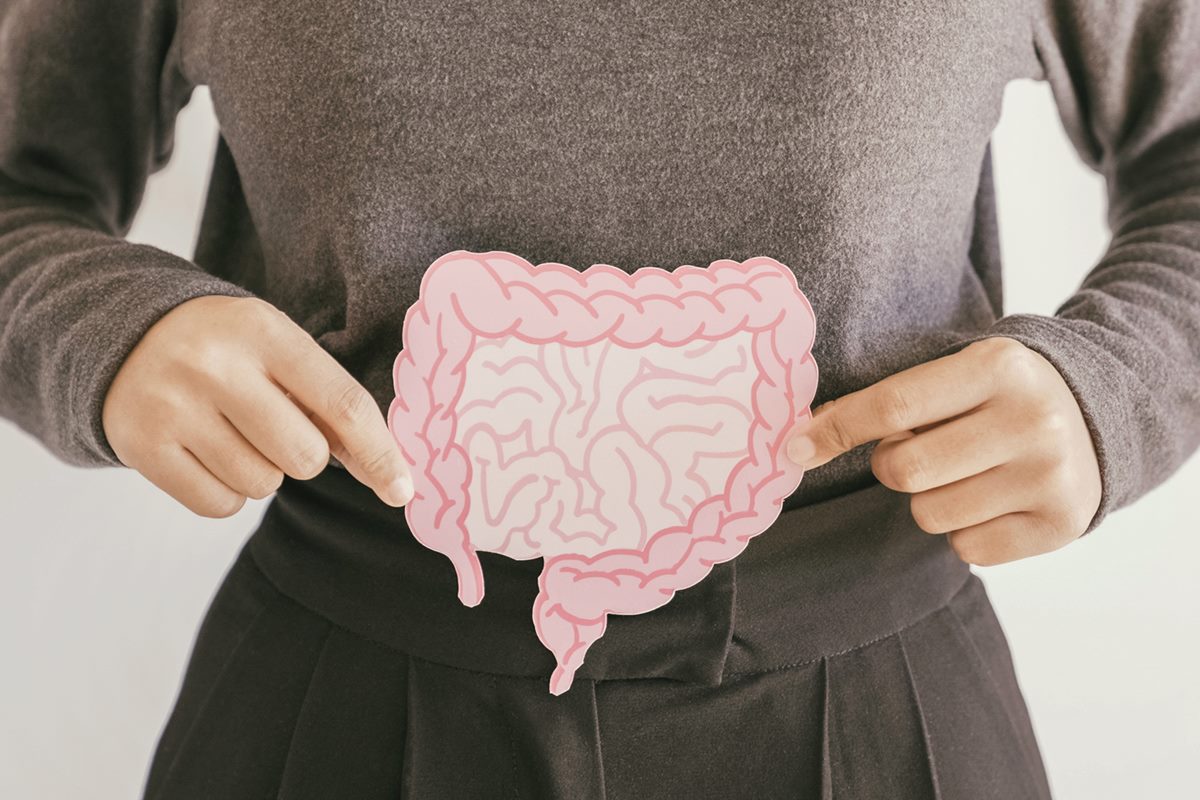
628	428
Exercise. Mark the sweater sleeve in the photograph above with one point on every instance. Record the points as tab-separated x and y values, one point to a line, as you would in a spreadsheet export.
1126	80
89	92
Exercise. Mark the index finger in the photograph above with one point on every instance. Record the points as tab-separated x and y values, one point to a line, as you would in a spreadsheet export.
323	386
922	395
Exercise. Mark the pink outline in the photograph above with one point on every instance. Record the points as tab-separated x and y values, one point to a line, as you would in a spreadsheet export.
466	295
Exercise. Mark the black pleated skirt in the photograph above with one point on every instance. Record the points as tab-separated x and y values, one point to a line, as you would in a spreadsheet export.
844	654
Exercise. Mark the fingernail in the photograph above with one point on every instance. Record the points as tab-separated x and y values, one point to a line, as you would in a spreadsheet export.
801	449
400	491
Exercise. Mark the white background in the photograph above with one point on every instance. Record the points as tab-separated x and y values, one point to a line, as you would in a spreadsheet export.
103	579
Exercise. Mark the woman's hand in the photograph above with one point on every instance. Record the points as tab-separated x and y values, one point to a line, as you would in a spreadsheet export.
989	441
224	396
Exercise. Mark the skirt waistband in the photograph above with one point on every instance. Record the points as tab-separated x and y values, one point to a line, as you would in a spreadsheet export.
823	579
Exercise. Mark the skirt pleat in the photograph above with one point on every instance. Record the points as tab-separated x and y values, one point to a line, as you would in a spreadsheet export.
278	701
826	783
877	746
757	735
349	738
479	735
980	734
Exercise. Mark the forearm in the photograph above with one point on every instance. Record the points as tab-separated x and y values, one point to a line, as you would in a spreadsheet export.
74	300
1128	341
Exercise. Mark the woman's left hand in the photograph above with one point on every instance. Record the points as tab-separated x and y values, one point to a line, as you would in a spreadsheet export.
989	441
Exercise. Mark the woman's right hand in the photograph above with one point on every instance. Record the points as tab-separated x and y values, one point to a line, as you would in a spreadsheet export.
223	396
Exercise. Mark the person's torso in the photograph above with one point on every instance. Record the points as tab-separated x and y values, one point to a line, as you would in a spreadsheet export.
846	140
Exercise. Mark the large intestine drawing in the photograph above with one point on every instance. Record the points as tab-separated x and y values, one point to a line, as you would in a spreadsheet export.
628	428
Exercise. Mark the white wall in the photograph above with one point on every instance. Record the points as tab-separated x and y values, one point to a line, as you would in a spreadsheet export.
104	580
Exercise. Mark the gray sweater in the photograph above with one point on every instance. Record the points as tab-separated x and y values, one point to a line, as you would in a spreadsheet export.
362	140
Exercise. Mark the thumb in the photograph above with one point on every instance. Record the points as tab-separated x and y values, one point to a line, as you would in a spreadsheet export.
817	440
918	396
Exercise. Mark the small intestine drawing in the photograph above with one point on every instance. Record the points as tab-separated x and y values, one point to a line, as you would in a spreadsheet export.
562	466
628	428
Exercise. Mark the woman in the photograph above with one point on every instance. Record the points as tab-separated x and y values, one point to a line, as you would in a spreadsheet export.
845	653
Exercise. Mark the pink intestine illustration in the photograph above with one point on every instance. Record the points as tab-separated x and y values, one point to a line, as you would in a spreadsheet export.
628	428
